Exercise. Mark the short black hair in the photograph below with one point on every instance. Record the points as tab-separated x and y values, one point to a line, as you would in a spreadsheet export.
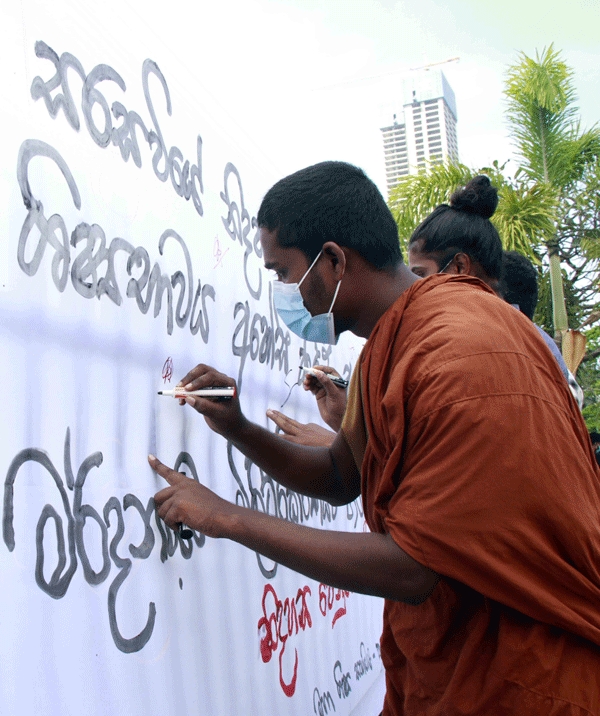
332	201
518	283
464	226
594	437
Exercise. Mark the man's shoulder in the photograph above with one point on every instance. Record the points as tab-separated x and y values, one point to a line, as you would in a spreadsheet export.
463	317
461	341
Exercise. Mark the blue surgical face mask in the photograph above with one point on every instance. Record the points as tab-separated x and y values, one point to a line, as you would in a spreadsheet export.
290	306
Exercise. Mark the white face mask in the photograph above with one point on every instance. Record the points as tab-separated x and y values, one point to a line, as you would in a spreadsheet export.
290	306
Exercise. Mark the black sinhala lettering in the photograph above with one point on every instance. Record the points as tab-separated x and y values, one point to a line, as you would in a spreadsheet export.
144	549
124	135
57	585
150	280
241	498
96	259
241	348
107	284
274	499
282	339
186	177
238	224
196	185
322	703
42	89
59	582
168	538
83	512
364	664
155	135
256	337
85	265
91	96
201	321
124	644
342	681
178	279
35	215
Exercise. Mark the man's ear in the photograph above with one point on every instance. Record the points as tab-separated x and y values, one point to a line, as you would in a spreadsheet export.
463	263
336	257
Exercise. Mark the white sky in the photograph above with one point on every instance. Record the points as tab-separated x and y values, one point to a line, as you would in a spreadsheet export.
292	71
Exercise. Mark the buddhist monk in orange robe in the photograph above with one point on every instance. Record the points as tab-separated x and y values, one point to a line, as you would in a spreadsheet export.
475	458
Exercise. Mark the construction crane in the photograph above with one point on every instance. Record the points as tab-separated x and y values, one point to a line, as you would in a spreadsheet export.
434	64
356	80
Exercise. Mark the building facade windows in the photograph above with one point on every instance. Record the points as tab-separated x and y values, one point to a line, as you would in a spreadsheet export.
426	99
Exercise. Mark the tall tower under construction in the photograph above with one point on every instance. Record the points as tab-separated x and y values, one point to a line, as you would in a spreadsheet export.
423	129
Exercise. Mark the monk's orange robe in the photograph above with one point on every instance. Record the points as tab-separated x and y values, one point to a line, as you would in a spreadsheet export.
476	460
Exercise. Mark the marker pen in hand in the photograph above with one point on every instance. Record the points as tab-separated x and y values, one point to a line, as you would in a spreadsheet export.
340	382
184	531
223	393
212	392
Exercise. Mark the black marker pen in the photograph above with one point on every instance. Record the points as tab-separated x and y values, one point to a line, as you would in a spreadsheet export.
340	382
184	531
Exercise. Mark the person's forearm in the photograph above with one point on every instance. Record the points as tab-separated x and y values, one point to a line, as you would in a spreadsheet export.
308	470
335	422
368	563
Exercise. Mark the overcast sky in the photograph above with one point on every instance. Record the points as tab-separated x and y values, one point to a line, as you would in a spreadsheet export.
308	79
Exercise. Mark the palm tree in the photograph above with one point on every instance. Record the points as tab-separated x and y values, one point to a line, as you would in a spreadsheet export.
552	150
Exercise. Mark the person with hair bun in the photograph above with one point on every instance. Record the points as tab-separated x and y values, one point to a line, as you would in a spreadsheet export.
459	238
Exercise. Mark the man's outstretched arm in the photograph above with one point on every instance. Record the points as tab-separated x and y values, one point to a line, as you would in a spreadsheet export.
360	562
326	473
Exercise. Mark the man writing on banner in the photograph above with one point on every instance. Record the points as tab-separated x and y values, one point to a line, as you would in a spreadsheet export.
476	472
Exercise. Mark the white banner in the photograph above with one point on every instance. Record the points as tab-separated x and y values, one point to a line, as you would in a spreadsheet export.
128	254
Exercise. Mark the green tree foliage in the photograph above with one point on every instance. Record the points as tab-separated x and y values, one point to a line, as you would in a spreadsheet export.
543	312
577	239
552	150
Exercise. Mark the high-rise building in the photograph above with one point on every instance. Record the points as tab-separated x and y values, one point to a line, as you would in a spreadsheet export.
423	130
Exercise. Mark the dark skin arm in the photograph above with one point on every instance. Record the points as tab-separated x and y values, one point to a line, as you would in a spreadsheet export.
360	562
364	562
301	433
331	398
328	473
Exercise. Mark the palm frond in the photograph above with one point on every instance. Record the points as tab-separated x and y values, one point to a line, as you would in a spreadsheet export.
525	217
542	119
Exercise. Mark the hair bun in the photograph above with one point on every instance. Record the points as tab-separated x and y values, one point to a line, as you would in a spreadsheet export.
478	197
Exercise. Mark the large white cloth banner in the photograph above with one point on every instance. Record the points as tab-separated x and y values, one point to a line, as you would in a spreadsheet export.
128	254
